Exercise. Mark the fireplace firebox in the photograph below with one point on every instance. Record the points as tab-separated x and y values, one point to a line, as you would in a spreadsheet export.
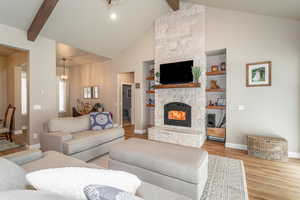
178	114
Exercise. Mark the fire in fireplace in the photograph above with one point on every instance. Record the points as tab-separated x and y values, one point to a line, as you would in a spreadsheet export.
177	114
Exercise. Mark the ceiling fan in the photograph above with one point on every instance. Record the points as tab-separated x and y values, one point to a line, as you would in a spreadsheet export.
174	4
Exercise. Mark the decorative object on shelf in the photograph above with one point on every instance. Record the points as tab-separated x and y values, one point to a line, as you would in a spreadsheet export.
223	66
221	101
87	92
64	76
151	72
214	68
95	92
196	74
137	85
151	101
214	85
157	75
259	74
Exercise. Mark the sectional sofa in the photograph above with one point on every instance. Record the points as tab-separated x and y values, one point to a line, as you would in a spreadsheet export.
36	160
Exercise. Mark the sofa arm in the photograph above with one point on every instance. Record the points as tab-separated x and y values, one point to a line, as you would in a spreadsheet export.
23	157
54	141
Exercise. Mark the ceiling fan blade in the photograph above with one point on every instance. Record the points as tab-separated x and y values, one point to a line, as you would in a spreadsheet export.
174	4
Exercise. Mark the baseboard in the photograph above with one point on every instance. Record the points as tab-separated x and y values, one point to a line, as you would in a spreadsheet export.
141	132
34	146
294	155
236	146
244	147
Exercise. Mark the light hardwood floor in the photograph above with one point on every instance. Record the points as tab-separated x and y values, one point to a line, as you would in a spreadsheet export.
266	180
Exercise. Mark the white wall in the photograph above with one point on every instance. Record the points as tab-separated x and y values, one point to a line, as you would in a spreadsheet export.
253	38
42	79
130	60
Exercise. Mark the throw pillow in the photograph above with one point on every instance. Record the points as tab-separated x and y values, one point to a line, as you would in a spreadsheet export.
29	195
12	176
71	181
101	120
100	192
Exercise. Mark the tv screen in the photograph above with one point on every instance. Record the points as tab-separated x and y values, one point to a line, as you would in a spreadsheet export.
176	73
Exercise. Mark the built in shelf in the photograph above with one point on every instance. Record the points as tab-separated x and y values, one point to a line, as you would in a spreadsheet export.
216	107
215	73
150	105
150	78
184	85
150	92
215	90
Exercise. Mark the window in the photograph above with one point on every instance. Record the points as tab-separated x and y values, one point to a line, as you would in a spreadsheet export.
24	93
62	95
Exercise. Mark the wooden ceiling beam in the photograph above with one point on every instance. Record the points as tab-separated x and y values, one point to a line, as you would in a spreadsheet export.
40	19
174	4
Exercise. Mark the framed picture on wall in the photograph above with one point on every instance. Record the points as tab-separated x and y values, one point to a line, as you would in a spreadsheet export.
259	74
87	92
96	92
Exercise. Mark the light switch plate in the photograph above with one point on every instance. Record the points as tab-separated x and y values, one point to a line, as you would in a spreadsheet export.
241	107
37	107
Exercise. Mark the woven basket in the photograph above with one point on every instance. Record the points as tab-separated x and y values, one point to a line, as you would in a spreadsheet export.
269	148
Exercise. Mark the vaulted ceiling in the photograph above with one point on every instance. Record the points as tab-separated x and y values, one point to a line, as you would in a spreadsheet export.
86	24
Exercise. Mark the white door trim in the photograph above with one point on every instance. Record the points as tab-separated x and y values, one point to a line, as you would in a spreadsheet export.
132	102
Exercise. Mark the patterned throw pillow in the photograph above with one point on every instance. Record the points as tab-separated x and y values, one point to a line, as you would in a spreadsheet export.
101	120
99	192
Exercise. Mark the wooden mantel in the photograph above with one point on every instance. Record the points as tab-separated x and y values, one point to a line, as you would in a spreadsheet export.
184	85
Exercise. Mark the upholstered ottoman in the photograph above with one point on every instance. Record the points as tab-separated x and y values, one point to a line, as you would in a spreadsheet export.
176	168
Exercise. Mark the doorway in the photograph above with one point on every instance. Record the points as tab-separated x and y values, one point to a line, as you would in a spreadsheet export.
126	99
127	104
13	98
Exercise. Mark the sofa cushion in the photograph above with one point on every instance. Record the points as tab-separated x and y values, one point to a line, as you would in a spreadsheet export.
71	181
69	124
12	176
175	161
100	120
52	159
102	192
30	195
88	139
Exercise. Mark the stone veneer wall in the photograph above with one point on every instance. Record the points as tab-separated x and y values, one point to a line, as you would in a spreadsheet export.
180	36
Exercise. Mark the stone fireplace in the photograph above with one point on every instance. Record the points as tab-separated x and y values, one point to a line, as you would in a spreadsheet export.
180	113
177	114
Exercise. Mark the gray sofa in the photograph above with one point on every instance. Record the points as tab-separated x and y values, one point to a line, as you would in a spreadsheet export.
36	160
73	137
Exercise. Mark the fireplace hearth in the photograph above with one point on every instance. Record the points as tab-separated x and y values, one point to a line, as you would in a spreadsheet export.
178	114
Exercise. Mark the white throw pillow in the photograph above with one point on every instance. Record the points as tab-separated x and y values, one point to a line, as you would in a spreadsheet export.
12	176
71	181
29	195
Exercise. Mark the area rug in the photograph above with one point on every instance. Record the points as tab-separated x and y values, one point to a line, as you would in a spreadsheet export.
7	145
226	178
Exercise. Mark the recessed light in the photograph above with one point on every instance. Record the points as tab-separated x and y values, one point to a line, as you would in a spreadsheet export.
113	16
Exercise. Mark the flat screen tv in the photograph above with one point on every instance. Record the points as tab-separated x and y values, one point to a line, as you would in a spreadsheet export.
176	73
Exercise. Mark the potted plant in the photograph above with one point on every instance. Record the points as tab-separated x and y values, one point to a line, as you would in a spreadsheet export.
157	75
196	74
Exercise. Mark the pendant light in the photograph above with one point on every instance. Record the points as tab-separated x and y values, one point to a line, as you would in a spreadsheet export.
64	76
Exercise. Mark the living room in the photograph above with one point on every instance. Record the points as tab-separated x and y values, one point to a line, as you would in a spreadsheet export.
237	100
